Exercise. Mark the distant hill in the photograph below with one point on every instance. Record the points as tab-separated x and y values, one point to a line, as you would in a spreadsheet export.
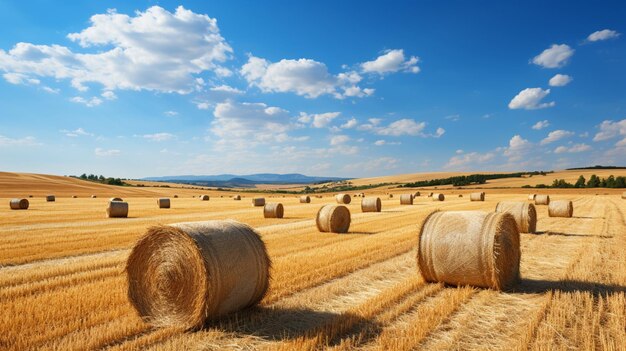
232	180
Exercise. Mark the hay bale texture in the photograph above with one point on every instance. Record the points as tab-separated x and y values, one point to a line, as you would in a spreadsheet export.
469	248
531	197
542	199
163	202
93	196
371	204
524	213
258	201
50	198
333	218
237	197
116	199
343	199
477	196
117	209
561	208
438	197
204	197
305	199
406	199
273	210
18	204
187	273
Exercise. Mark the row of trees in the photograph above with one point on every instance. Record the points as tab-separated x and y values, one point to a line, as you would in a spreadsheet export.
101	179
593	182
470	179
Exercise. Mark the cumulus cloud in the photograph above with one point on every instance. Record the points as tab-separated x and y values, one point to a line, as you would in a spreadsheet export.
227	89
556	135
610	130
154	50
390	62
541	125
560	80
170	113
319	120
20	79
572	149
402	127
385	142
76	133
339	139
473	158
530	99
517	149
554	57
604	34
89	102
25	141
159	136
351	123
106	153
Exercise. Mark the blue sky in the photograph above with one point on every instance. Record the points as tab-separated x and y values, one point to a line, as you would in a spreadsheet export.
325	88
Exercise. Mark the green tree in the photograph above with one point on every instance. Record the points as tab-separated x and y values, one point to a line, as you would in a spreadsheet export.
580	183
593	182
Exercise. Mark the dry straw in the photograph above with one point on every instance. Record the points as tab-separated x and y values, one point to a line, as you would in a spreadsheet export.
273	210
18	204
187	273
542	199
116	199
531	197
163	202
117	209
406	199
477	196
333	218
50	198
524	213
237	197
561	208
371	204
469	248
438	197
204	197
258	201
343	199
305	199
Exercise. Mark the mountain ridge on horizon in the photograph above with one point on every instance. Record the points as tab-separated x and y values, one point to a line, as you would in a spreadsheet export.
288	178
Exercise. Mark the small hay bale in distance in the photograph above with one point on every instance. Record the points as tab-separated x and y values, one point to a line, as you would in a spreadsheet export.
469	248
531	197
438	197
362	194
344	199
32	196
204	197
406	199
542	199
417	194
624	195
50	198
176	196
460	195
561	208
18	204
258	201
116	199
273	210
391	196
333	219
74	196
524	213
305	199
477	196
237	197
187	273
371	204
430	195
117	209
93	196
163	202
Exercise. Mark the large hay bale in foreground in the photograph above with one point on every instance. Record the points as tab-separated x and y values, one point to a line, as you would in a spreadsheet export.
163	202
116	199
561	208
371	204
477	196
187	273
333	218
50	198
531	197
258	201
469	248
273	210
204	197
524	213
117	209
18	204
438	197
542	199
406	199
237	197
305	199
343	199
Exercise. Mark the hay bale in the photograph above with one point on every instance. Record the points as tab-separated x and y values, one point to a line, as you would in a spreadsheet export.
50	198
561	208
624	195
391	196
460	195
406	199
74	196
237	197
362	194
117	209
430	195
343	199
524	213
305	199
163	202
116	199
30	196
187	273
371	204
531	197
93	196
258	201
477	196
18	204
204	197
176	196
469	248
333	218
438	197
542	199
273	210
417	194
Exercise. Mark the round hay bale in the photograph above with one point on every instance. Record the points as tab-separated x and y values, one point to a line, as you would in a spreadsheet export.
50	198
333	218
477	196
187	273
531	197
624	195
406	199
542	199
417	194
30	196
561	208
343	199
362	194
258	201
371	204
524	213
93	196
74	196
176	196
438	197
237	197
116	199
273	210
460	195
305	199
469	248
163	202
204	197
117	209
391	196
18	204
430	195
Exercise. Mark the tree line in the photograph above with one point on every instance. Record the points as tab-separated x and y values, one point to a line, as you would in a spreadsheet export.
101	179
593	182
470	179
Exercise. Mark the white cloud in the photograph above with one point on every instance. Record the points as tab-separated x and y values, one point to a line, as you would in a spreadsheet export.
555	56
105	153
339	139
390	62
453	118
556	135
75	133
159	136
351	123
109	95
572	149
560	80
227	89
610	130
170	113
469	159
319	120
439	132
517	149
19	78
50	90
604	34
385	142
25	141
530	99
402	127
154	50
541	125
89	102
